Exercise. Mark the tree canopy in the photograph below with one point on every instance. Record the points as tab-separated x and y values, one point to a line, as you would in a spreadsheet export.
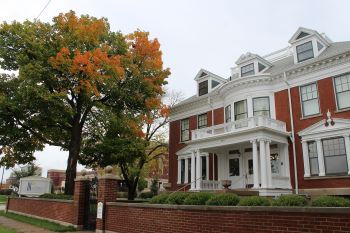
74	79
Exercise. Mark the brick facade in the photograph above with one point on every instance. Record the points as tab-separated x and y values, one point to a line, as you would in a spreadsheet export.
128	218
327	102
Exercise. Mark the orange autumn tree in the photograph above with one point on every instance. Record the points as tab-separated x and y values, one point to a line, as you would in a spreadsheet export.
75	79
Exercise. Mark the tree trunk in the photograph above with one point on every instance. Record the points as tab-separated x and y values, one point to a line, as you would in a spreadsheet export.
74	150
131	190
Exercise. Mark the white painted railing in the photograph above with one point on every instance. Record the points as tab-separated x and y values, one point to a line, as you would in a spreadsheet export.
237	126
210	185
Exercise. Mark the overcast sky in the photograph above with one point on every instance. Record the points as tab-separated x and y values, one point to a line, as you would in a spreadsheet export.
195	34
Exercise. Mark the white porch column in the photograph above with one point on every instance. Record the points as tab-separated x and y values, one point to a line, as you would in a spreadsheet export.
207	168
178	170
186	170
347	147
255	164
193	170
263	163
306	159
268	164
322	170
198	170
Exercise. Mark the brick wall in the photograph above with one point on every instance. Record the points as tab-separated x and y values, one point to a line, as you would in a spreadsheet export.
58	210
327	101
123	217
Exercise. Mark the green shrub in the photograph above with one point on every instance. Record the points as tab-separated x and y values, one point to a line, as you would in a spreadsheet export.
177	198
197	198
122	194
224	199
331	201
290	200
56	196
159	199
141	184
146	195
254	201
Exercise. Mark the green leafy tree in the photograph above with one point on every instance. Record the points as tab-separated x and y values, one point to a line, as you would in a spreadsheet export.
134	145
73	79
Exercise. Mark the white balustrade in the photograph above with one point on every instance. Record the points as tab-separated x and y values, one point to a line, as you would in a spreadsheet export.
210	185
239	125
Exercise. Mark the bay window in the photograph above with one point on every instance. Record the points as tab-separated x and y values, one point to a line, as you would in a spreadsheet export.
241	110
261	106
334	153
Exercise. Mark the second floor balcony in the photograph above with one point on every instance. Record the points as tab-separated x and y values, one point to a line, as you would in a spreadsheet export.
251	123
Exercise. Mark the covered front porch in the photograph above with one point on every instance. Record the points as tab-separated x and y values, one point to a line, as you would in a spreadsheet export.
255	159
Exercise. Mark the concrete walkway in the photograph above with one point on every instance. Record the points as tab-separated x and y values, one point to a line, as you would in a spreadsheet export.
26	228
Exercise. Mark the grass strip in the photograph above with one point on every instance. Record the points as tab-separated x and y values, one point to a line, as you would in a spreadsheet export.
38	222
6	230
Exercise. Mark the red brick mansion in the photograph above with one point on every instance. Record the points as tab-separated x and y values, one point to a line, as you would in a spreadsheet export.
279	124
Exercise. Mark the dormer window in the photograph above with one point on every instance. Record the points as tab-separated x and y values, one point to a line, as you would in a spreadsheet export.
203	88
247	70
305	51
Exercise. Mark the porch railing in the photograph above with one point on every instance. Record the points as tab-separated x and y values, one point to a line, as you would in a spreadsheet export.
210	185
239	125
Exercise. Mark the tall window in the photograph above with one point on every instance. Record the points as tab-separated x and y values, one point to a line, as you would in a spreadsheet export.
313	158
342	89
241	110
202	120
204	167
305	51
309	99
228	113
261	106
234	167
335	156
247	70
185	130
203	88
182	171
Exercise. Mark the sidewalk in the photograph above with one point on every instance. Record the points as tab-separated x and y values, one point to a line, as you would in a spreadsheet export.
26	228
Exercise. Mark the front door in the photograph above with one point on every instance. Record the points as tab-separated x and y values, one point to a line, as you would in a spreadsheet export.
248	169
234	170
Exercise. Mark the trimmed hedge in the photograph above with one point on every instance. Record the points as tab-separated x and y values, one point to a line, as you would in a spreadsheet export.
146	195
290	200
159	199
56	196
177	198
197	198
254	201
330	201
224	199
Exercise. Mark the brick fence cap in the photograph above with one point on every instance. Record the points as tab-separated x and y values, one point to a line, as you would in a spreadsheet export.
108	177
335	210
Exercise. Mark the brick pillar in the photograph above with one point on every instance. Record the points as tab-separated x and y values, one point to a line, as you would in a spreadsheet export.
80	198
107	192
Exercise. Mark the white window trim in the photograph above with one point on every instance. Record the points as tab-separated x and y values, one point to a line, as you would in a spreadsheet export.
335	92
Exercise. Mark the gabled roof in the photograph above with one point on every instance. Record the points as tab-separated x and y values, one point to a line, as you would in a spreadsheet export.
301	30
250	56
321	127
203	73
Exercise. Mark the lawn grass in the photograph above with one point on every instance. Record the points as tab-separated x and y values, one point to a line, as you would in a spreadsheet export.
38	222
3	198
6	230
